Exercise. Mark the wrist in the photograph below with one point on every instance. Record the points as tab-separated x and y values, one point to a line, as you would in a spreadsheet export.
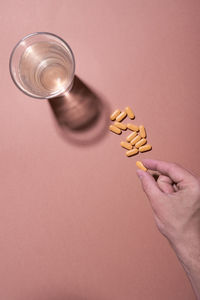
188	252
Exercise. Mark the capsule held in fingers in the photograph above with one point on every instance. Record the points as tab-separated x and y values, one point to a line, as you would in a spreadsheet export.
121	116
145	148
140	143
126	145
135	140
115	114
120	125
132	127
140	165
142	131
115	129
131	136
132	152
129	112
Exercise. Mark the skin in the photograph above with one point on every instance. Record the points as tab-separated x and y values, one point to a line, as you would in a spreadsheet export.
175	201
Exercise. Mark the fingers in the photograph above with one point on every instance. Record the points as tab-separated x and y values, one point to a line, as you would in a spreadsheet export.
175	187
150	186
165	184
175	172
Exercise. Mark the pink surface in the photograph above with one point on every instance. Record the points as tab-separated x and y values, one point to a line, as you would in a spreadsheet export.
74	222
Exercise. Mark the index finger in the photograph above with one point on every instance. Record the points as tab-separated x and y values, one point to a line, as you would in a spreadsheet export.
174	171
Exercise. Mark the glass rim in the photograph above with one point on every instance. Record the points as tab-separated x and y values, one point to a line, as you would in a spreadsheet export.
11	57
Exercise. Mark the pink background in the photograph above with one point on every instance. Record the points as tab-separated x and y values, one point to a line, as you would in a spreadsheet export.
74	221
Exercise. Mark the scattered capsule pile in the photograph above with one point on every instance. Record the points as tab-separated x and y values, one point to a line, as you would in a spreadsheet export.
136	141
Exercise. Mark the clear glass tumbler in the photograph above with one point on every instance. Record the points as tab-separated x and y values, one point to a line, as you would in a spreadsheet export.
42	65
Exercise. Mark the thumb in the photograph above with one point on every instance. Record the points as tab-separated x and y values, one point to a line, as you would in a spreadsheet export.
149	186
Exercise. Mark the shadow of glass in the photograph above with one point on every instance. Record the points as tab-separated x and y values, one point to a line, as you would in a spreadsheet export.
82	117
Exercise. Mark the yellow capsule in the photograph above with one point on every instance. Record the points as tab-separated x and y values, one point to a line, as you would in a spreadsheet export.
120	125
132	127
131	136
142	131
115	129
140	143
140	165
135	140
115	114
126	145
145	148
129	112
132	152
121	116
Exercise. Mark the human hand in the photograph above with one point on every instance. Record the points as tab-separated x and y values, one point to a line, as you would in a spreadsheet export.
175	200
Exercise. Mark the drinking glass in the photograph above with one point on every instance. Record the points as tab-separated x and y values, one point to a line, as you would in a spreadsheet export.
42	65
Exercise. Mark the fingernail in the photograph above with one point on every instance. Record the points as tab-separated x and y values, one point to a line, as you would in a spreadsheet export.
139	173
